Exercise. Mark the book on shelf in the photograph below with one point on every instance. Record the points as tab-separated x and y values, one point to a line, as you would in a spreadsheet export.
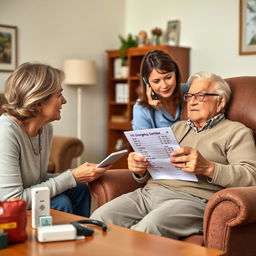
121	93
118	119
117	68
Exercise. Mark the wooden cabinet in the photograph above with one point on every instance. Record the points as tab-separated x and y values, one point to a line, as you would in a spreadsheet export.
120	111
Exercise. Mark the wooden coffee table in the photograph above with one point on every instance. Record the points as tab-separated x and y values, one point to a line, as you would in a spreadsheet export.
117	241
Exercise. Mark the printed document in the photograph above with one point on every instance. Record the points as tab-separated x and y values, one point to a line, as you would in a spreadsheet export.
156	146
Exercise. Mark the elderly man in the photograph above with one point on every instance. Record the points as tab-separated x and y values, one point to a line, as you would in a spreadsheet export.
220	152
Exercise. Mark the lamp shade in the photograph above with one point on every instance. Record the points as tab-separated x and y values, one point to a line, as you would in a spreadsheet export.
80	72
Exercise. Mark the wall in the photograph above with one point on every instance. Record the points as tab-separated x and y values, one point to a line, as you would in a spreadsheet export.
51	31
210	28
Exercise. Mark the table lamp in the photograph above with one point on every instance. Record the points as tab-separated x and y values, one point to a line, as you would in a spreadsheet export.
79	73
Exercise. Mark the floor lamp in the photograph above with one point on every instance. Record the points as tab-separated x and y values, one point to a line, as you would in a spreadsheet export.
79	73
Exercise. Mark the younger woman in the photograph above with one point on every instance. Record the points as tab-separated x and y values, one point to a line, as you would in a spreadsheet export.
159	104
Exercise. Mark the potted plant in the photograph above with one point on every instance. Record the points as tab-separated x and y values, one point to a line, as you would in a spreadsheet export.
125	44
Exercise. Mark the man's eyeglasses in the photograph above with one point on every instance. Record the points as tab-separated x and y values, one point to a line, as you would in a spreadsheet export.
198	96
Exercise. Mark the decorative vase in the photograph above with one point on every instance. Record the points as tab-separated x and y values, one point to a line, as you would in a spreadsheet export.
155	40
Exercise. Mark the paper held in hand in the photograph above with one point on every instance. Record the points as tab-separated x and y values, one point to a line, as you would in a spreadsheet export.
156	146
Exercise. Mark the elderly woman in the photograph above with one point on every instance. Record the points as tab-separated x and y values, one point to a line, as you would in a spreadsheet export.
220	152
34	99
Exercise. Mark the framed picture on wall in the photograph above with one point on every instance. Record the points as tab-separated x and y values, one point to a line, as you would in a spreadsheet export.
247	35
173	32
8	48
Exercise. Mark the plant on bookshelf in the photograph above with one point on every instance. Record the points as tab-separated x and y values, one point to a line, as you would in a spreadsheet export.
125	44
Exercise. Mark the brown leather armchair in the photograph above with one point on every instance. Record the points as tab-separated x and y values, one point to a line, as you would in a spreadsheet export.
63	151
230	215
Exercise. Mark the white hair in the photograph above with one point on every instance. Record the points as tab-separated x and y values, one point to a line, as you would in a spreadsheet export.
222	87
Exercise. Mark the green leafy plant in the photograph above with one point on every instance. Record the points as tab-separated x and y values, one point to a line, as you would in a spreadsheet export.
125	44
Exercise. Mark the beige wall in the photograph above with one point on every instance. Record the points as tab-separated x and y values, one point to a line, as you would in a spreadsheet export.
51	31
210	28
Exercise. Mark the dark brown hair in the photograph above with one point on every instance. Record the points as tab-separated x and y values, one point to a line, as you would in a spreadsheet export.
163	63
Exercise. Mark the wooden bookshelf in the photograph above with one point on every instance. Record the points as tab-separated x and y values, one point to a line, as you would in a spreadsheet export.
120	114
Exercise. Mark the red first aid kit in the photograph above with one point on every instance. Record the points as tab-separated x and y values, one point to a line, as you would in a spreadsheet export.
13	219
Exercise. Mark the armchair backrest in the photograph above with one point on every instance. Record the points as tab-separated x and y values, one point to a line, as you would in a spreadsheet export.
2	101
242	105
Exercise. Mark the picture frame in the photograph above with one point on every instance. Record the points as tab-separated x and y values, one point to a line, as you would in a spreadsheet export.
8	48
247	27
173	32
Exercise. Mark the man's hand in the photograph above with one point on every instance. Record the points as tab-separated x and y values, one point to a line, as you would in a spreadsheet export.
156	104
137	164
190	160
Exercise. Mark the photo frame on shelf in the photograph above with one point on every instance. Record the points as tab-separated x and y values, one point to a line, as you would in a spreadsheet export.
247	31
8	48
173	32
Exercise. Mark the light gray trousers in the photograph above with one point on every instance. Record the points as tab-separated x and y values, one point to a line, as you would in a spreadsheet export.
156	210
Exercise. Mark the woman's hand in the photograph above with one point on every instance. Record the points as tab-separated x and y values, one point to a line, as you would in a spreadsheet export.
156	104
88	172
190	160
137	164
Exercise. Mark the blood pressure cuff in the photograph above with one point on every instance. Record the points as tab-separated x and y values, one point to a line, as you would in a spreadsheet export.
13	219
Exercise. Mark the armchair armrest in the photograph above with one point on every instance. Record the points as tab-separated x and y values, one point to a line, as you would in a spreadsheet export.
112	184
230	221
63	151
